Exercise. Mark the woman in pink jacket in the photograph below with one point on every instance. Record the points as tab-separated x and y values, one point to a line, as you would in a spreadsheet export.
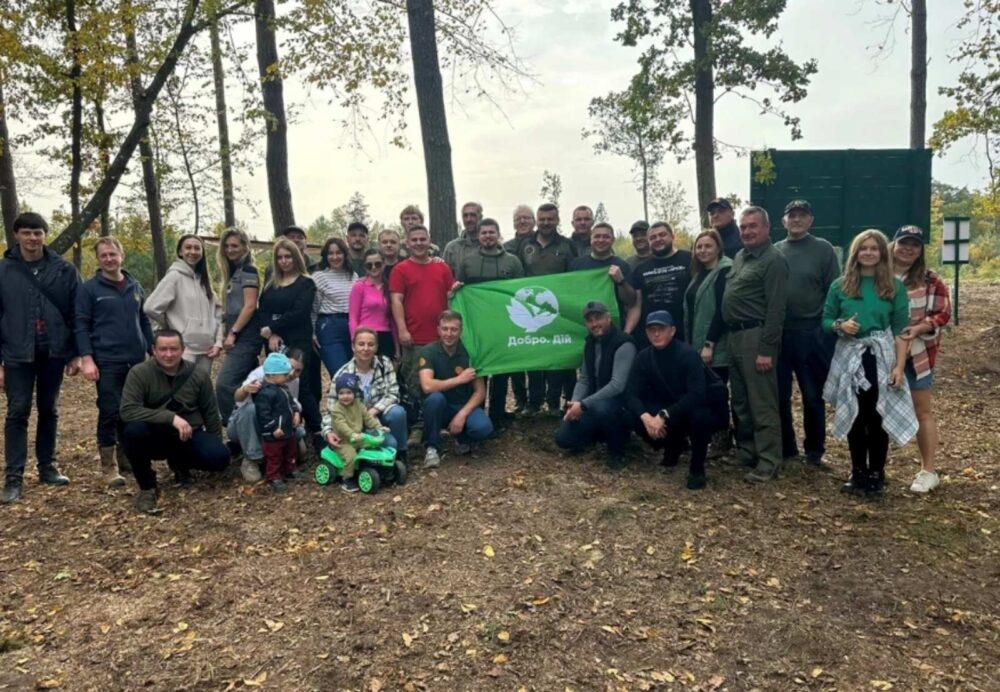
370	305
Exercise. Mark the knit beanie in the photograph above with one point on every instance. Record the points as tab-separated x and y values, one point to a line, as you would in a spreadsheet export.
347	380
277	364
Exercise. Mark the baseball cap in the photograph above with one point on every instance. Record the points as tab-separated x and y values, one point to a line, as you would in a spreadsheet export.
660	317
639	227
909	233
800	204
290	229
719	202
595	307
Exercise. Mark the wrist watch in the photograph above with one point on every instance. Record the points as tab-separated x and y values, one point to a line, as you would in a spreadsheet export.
709	344
664	414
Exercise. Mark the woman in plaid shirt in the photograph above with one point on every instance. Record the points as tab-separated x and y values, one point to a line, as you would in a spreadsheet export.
930	311
379	389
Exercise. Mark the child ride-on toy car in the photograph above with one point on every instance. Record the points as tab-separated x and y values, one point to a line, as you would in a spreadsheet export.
376	465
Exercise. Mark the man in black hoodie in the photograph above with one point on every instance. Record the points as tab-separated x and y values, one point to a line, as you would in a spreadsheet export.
592	414
36	348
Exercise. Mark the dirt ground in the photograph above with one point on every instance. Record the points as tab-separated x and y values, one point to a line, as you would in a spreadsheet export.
523	569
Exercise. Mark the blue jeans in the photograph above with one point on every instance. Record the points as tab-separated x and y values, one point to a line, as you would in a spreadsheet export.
600	422
109	400
21	380
334	339
239	362
804	354
394	418
438	414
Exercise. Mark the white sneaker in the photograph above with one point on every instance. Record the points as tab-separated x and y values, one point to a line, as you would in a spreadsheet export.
925	482
431	458
250	470
463	448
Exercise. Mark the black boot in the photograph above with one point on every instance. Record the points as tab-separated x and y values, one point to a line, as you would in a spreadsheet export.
11	492
876	484
49	474
182	476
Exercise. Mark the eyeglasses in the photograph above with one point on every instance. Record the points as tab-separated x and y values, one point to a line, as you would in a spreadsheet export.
373	265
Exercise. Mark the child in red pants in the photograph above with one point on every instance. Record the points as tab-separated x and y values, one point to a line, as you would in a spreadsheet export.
278	415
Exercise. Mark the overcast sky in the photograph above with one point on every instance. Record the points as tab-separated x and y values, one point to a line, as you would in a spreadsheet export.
499	157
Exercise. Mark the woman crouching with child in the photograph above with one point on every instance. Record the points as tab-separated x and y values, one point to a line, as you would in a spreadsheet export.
868	309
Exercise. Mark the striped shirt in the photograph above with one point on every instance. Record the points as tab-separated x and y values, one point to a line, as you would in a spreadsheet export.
333	292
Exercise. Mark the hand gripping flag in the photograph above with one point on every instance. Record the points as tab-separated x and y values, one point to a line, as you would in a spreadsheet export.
534	323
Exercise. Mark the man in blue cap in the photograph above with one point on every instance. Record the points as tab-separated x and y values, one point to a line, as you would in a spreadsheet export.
674	397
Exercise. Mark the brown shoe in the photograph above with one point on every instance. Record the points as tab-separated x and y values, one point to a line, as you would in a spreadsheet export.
124	467
761	474
109	468
145	502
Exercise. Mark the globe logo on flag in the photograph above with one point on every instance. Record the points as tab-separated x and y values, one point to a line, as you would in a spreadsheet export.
532	308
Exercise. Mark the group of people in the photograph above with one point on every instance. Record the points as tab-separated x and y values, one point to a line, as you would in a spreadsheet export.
736	314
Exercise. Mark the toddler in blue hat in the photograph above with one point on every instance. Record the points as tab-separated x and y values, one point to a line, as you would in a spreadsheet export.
278	414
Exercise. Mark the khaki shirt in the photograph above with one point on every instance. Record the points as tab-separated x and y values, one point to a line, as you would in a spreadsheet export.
755	291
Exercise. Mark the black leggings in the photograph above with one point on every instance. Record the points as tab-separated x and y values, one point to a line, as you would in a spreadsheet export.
868	442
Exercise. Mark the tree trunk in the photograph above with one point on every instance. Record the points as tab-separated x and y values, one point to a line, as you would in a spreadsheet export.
8	184
433	120
104	157
278	188
222	116
645	180
176	106
76	125
149	181
918	73
137	132
704	104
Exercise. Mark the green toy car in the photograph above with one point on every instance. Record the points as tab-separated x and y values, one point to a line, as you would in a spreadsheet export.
376	464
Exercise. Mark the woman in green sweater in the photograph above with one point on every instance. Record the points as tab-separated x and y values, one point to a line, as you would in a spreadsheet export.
868	309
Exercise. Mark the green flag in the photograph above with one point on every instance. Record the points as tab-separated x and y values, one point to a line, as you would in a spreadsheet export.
530	324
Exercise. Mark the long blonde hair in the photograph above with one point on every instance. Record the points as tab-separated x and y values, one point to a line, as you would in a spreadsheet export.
885	284
277	275
223	262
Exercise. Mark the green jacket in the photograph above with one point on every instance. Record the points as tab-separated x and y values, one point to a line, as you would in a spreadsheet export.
704	311
195	402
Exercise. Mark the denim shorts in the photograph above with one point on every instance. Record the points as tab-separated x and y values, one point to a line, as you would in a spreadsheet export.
915	384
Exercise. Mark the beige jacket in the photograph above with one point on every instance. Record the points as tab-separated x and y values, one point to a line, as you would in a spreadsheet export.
179	302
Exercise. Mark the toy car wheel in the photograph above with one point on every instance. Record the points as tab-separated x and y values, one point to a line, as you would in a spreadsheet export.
323	473
401	473
369	481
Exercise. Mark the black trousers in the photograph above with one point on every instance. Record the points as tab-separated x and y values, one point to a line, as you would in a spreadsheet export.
698	427
549	386
804	355
41	379
868	442
600	422
145	442
110	430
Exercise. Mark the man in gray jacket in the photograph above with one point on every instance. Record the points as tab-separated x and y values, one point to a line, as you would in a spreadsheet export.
36	348
592	414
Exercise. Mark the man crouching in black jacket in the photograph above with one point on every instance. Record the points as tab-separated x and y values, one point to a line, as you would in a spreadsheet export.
673	397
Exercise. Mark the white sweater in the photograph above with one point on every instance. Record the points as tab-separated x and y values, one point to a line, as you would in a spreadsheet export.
179	302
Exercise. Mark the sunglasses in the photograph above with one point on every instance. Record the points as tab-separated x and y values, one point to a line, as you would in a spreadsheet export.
373	265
